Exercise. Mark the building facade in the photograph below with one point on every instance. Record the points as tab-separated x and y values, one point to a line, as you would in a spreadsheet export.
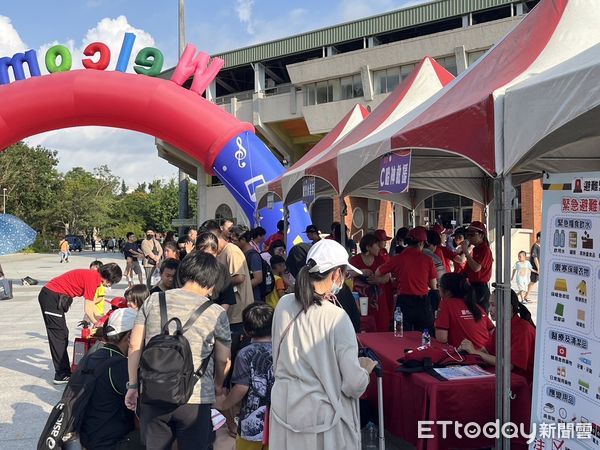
296	89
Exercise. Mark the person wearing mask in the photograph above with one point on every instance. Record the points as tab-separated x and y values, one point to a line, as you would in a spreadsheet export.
185	246
188	425
318	374
522	338
133	253
312	233
459	316
55	299
242	237
170	250
478	269
369	285
223	293
277	236
168	269
152	251
192	233
397	244
454	245
107	423
415	275
433	243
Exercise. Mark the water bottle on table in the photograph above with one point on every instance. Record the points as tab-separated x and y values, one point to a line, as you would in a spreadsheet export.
398	323
426	338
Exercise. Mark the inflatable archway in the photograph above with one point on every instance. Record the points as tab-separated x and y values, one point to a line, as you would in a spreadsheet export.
154	106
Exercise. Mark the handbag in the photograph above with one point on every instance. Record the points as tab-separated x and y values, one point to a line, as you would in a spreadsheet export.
150	261
6	289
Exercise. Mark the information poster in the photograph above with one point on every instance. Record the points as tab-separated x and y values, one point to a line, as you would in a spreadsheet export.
566	397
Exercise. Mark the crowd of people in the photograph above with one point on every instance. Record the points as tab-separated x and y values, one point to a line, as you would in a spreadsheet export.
272	328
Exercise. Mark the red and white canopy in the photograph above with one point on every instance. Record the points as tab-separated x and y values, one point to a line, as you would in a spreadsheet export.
468	117
374	131
293	176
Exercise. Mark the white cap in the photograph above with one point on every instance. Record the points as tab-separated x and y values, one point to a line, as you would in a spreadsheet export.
120	321
328	254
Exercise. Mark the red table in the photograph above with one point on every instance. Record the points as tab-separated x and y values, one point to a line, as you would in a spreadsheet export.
410	398
367	324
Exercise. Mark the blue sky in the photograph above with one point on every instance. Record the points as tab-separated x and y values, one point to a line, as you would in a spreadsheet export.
211	26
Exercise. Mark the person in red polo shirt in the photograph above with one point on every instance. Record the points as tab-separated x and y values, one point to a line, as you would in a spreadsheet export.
383	239
55	299
415	274
459	316
479	263
522	339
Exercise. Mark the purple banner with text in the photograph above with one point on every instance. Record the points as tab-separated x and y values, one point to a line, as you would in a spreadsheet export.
394	174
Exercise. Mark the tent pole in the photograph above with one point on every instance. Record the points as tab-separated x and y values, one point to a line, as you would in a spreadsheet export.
498	191
508	197
342	221
286	221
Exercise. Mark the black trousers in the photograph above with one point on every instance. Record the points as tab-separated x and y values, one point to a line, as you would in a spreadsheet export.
189	425
482	295
58	333
416	312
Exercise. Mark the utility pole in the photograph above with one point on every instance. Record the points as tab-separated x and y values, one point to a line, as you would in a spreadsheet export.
183	178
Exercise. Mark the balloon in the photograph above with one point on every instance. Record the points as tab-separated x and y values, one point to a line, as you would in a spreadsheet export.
125	52
66	60
149	57
17	62
103	60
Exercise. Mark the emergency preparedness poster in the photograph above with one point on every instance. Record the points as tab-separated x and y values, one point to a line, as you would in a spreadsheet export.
566	396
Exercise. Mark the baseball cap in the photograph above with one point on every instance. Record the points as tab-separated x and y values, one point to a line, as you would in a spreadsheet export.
438	228
382	235
477	226
328	254
119	302
418	234
311	229
460	231
120	321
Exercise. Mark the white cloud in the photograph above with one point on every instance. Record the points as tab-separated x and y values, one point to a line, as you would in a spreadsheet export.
130	155
10	41
244	9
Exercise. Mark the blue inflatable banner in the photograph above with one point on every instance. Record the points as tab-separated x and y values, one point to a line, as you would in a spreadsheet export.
245	163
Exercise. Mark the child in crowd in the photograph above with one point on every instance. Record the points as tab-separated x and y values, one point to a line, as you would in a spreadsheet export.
100	294
522	269
136	296
278	268
252	378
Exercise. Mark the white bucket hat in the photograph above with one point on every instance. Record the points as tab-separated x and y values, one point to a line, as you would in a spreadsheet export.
328	254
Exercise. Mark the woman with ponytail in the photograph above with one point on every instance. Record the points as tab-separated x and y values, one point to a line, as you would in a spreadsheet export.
459	315
522	339
318	374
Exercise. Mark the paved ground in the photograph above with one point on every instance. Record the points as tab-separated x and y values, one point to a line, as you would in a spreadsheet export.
27	393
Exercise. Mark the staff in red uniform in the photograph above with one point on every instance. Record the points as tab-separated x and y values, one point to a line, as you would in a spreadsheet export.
383	239
368	261
415	274
459	316
55	299
522	339
479	264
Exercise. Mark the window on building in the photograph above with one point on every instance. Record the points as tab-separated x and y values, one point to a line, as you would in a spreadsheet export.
472	57
214	181
446	208
492	14
449	63
223	212
517	214
333	90
386	80
528	6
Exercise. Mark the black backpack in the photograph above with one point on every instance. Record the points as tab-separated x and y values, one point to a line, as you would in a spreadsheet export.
166	372
66	417
268	282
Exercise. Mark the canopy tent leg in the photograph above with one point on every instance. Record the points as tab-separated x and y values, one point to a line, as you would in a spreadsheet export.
504	194
342	221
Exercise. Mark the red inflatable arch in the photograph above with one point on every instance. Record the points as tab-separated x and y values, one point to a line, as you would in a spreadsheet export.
149	105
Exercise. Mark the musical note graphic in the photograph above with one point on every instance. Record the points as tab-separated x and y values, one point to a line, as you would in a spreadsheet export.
241	153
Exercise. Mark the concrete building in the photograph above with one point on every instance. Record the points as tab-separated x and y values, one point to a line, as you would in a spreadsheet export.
296	89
